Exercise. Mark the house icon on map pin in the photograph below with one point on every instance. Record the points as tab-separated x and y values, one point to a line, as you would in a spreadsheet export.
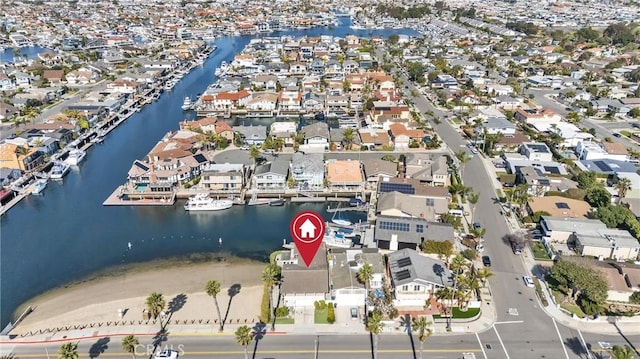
307	229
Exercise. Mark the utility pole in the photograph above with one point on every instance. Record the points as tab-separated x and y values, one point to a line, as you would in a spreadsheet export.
317	346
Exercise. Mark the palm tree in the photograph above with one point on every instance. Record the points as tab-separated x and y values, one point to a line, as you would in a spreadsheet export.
622	186
625	352
155	304
421	326
270	277
213	289
348	134
484	274
254	153
129	344
473	200
68	351
244	337
463	158
365	275
375	326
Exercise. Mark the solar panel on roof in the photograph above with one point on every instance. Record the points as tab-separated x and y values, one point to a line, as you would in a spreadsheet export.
562	205
200	158
552	169
602	166
403	274
403	262
140	165
397	187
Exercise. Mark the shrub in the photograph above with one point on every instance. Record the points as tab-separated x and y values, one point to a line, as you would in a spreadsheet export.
282	312
264	306
320	305
331	315
635	298
469	254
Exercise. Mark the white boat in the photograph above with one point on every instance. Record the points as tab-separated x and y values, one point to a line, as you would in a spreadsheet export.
258	201
336	239
75	157
340	221
39	186
202	202
187	104
224	67
59	170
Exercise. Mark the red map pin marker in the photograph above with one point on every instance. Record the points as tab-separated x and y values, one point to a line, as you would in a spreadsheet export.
307	230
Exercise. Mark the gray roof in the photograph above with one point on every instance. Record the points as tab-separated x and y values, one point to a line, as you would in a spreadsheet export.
297	278
376	166
423	169
565	224
310	162
499	123
347	262
407	266
607	166
431	231
252	132
318	129
607	238
277	166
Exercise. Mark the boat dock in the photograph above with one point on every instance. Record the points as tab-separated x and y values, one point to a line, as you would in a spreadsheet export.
125	197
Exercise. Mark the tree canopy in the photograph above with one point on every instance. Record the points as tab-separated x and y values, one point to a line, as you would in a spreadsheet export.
580	280
619	33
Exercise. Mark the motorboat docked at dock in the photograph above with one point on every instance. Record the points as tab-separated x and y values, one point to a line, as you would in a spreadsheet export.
39	186
75	156
187	104
202	202
59	170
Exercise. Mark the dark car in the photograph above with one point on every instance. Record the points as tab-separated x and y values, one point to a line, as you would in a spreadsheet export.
616	134
486	261
476	225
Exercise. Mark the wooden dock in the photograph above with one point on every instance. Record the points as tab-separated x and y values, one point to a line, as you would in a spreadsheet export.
118	198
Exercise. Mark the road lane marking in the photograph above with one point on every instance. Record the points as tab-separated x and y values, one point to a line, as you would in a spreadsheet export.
481	347
501	343
510	322
584	344
560	336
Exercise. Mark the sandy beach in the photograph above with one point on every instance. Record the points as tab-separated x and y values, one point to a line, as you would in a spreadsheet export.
97	300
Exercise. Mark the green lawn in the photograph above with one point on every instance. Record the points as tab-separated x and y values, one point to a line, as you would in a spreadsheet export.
320	316
573	309
625	133
538	251
459	314
285	320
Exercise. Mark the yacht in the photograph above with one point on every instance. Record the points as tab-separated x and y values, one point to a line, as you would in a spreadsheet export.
39	186
75	157
202	202
59	170
337	239
222	70
187	104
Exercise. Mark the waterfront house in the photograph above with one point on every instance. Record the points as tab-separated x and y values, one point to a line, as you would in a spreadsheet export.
346	289
45	144
290	102
395	233
301	285
376	170
313	101
307	171
345	176
204	125
316	137
252	135
175	144
9	175
225	100
428	170
284	130
415	278
18	157
262	104
226	178
124	86
271	176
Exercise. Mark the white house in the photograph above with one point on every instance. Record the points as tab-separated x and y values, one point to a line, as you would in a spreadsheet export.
302	285
344	264
588	150
536	151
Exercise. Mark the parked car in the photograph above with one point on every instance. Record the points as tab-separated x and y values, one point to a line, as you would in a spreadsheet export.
476	225
166	354
354	313
617	134
516	248
486	261
528	281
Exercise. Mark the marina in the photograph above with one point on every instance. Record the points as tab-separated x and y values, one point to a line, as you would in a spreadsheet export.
156	231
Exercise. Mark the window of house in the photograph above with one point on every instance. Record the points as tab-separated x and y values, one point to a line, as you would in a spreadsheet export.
416	288
420	228
405	288
430	202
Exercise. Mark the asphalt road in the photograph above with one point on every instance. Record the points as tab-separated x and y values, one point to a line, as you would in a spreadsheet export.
523	329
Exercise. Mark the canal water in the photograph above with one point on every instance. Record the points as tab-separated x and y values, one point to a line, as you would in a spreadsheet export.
66	234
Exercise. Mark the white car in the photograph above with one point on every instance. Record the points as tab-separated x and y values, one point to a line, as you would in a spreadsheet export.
528	281
166	354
